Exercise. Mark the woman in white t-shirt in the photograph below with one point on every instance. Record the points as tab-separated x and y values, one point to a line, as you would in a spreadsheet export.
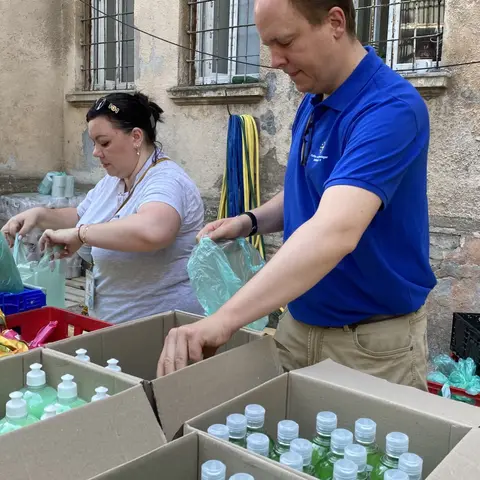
138	225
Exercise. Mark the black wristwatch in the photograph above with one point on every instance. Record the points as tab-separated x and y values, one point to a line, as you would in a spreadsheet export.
253	218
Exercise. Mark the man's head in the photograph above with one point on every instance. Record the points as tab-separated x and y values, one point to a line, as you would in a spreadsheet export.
308	39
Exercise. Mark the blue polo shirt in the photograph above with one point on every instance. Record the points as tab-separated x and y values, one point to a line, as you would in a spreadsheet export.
372	133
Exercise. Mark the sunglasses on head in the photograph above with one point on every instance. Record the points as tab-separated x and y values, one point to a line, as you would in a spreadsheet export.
104	103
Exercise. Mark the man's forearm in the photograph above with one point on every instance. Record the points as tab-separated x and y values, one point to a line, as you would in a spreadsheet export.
270	215
56	218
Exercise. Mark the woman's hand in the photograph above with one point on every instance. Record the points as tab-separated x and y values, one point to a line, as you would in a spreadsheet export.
21	224
67	239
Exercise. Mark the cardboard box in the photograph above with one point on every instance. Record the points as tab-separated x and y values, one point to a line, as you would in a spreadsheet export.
83	442
183	458
434	424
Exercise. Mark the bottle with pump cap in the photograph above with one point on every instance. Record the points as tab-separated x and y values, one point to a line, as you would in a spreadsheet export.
218	430
37	393
293	460
100	394
16	414
287	430
81	354
358	455
67	394
395	475
412	465
259	443
305	449
255	415
345	470
213	470
49	412
326	423
237	429
112	365
365	434
396	445
241	476
341	438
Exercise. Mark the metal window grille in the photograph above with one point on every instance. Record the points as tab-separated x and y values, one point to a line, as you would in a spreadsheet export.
407	34
109	45
225	29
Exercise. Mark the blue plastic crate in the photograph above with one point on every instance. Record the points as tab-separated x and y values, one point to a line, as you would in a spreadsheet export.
29	299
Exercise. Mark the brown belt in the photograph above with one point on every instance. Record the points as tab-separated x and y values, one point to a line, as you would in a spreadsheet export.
372	319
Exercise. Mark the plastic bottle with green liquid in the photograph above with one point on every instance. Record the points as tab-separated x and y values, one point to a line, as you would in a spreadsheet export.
305	449
213	470
237	429
396	445
358	455
259	443
395	475
287	430
255	415
293	460
37	393
219	430
412	465
49	412
67	395
341	438
344	470
241	476
16	414
326	423
365	434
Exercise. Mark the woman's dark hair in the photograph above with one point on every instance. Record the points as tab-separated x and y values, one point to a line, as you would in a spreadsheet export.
127	111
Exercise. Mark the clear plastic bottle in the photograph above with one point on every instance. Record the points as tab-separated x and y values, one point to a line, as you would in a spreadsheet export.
255	415
113	365
81	354
16	414
237	429
218	430
213	470
412	465
357	454
67	395
258	443
395	475
49	412
37	393
293	460
287	430
365	434
305	449
101	393
345	470
396	445
341	438
326	423
241	476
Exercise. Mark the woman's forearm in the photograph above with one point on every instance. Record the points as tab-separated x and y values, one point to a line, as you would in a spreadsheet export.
56	218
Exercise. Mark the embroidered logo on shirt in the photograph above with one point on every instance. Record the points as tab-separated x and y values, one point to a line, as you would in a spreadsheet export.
319	157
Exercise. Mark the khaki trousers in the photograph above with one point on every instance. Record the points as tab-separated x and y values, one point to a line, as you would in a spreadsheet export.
395	349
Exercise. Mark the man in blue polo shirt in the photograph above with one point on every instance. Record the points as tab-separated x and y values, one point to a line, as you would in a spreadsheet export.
354	268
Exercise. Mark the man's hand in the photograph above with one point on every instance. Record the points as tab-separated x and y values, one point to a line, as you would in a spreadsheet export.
66	238
227	228
193	342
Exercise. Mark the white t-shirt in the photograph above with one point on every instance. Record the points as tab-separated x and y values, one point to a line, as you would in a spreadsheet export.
131	285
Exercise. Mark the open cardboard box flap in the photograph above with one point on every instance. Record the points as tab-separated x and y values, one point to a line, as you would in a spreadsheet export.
85	441
199	387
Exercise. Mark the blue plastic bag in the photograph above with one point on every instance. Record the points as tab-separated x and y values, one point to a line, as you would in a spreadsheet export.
10	279
218	271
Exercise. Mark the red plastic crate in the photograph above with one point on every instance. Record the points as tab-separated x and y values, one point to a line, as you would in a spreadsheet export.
435	388
28	324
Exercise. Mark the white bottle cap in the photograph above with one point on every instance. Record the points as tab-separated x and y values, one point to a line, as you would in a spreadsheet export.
16	407
395	475
100	394
365	430
287	431
326	423
36	376
112	364
258	443
304	448
292	459
345	470
241	476
219	430
411	464
358	455
340	439
255	415
213	470
396	444
67	389
237	425
82	355
49	411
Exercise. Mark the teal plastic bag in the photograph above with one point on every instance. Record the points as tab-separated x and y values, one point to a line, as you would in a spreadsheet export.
218	271
10	279
47	274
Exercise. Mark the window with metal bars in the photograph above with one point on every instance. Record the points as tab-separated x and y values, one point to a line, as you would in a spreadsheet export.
407	34
224	42
109	45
